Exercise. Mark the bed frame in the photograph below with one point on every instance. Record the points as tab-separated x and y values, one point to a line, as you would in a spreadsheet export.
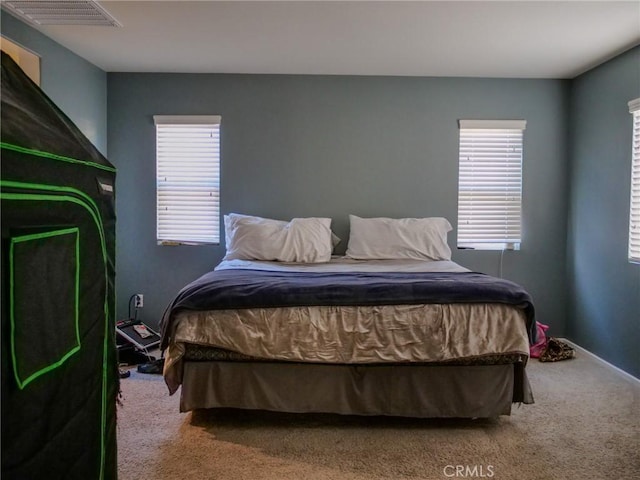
463	391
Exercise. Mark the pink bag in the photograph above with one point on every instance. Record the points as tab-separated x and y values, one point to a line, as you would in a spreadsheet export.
537	348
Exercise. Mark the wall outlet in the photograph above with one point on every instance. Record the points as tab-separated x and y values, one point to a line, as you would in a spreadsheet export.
139	300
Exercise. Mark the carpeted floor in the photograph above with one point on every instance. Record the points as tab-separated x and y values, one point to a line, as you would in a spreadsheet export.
584	425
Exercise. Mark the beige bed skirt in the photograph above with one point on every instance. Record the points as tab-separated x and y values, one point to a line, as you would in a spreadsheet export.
426	391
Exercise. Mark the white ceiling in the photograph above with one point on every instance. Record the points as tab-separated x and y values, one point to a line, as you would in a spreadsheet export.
536	39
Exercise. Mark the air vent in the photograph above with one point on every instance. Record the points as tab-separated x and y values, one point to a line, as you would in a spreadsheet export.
56	12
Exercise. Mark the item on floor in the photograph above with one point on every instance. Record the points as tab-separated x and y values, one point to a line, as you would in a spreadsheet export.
129	355
124	373
135	340
557	350
541	341
155	366
142	330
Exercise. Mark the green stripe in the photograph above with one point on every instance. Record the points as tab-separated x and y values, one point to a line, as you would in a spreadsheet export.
52	233
93	209
53	156
76	348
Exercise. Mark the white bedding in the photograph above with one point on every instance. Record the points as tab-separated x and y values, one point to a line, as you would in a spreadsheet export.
345	264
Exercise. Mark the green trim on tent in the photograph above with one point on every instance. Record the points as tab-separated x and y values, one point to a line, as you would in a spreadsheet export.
22	383
89	205
53	156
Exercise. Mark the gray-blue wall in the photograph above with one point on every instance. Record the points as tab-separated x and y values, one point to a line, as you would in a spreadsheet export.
334	145
605	307
307	145
78	87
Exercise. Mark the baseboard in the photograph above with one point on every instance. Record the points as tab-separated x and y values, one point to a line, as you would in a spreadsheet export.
621	372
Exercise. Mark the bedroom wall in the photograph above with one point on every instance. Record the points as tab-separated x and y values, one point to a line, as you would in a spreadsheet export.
78	87
297	145
334	145
605	295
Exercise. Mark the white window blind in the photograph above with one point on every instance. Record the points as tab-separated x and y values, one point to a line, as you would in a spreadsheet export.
490	184
634	215
188	179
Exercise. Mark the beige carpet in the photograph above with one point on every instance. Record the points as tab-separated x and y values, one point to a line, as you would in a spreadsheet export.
584	425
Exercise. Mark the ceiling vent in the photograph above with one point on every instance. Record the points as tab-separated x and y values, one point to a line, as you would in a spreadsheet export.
54	12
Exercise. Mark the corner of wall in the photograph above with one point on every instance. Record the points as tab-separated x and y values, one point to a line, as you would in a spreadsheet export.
78	87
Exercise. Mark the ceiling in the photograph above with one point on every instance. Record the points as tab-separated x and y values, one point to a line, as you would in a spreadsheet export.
512	39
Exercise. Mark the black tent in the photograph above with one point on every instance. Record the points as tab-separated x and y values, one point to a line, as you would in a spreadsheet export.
59	360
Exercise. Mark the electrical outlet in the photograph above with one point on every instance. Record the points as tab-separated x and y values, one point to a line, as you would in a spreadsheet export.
139	300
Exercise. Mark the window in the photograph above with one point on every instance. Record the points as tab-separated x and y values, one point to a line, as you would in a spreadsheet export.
490	184
634	214
188	179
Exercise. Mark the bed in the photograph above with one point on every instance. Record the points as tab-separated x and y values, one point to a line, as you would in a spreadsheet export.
418	337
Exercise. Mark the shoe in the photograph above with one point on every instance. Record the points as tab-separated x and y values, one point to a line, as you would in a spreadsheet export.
557	350
152	367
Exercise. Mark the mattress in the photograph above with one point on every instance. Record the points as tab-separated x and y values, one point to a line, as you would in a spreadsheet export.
353	335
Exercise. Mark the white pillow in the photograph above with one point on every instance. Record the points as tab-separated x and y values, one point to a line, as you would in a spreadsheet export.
389	238
303	240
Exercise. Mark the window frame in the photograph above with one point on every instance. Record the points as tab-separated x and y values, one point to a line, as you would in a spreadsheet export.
633	251
203	177
475	135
